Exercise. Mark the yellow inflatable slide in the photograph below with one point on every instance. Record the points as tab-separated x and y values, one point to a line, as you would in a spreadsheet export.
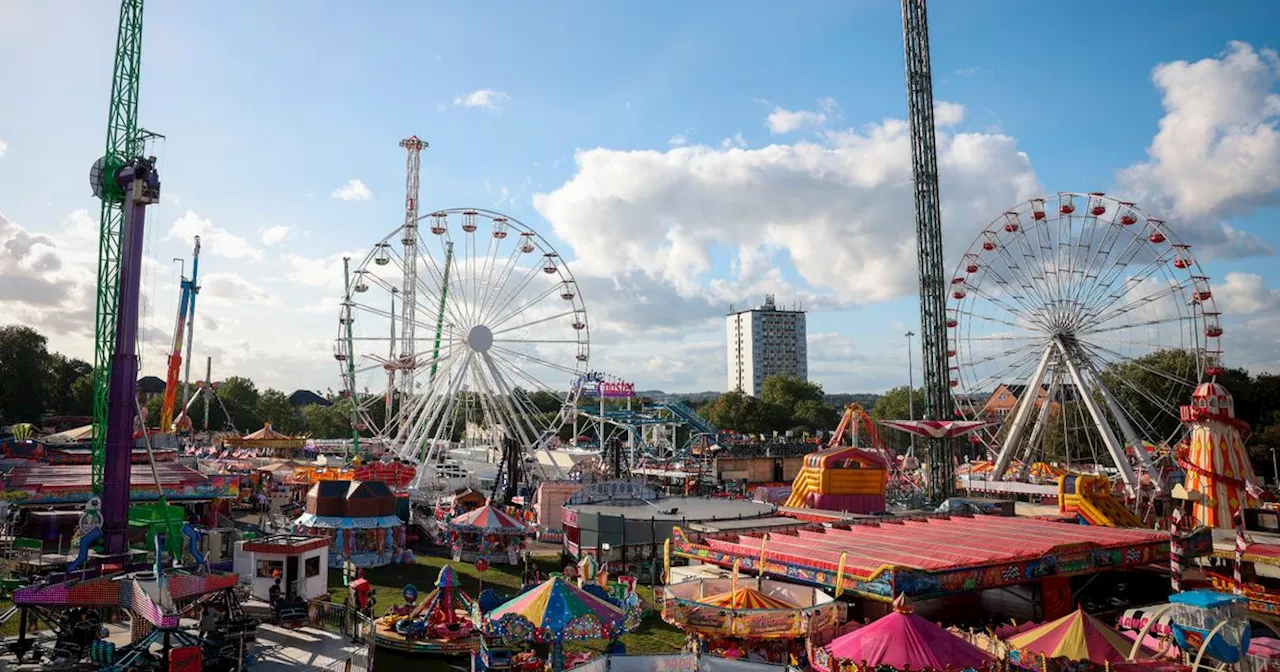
1089	497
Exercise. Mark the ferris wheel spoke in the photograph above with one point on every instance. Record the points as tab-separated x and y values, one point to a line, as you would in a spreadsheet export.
1105	301
506	298
525	306
519	371
1022	276
1122	263
495	292
1030	317
1019	296
1120	311
1120	358
1135	325
1023	362
1096	260
988	318
543	362
531	323
491	264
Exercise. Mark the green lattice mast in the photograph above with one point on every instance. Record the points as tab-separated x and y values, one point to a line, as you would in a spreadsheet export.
124	142
924	160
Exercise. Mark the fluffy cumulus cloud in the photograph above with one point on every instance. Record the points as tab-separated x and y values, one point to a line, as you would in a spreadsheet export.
837	210
3	148
214	239
483	98
47	281
274	235
781	121
1253	310
353	190
1217	153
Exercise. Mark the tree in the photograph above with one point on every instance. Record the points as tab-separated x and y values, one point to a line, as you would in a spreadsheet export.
787	391
24	380
80	397
1154	385
545	401
62	373
240	396
328	422
814	415
152	410
274	407
746	414
896	404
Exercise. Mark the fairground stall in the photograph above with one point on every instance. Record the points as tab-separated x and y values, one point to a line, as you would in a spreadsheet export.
440	623
300	564
751	617
487	533
360	521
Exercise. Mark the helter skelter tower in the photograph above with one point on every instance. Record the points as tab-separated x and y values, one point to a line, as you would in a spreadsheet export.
924	161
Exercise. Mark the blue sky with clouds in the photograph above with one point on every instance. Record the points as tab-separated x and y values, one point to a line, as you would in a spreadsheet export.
681	156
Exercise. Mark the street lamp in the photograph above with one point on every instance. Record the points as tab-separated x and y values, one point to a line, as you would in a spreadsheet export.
911	389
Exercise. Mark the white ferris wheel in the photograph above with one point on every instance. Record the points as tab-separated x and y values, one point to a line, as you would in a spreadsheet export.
1095	310
462	324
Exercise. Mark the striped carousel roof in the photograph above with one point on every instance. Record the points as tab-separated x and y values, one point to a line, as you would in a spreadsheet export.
488	517
746	598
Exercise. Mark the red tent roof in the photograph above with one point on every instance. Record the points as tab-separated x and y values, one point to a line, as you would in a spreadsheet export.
933	544
488	517
905	639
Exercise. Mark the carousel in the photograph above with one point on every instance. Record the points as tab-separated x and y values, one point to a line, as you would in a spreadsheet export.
439	624
550	614
487	533
750	617
266	442
360	521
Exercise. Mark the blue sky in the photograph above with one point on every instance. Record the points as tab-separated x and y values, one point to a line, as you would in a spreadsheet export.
268	108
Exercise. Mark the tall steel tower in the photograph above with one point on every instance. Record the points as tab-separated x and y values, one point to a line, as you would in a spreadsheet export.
924	159
408	295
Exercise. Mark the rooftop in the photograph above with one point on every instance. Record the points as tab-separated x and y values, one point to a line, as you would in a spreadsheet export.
696	509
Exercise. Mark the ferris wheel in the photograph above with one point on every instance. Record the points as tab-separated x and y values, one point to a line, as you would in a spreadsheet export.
1094	310
463	324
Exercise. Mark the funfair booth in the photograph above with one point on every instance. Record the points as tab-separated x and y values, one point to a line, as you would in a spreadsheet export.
301	563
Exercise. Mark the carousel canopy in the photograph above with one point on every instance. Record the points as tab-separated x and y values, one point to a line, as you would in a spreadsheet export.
490	519
445	600
1036	470
746	598
1078	636
556	610
904	639
347	523
267	438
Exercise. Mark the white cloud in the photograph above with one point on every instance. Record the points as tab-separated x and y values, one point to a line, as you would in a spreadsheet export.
275	235
353	190
736	140
233	289
3	147
782	121
441	107
838	210
214	239
969	71
1245	294
484	98
1217	153
678	140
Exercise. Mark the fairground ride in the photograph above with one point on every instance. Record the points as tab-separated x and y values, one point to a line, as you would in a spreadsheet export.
460	324
186	322
126	182
906	487
1064	304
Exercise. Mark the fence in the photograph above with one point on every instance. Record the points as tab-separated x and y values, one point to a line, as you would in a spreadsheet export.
332	617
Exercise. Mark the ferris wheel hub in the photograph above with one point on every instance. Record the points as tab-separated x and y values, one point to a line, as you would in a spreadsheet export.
480	338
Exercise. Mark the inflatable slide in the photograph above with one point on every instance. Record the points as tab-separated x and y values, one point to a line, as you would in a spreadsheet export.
1089	498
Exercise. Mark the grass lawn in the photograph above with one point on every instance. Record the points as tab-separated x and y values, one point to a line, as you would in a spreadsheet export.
653	636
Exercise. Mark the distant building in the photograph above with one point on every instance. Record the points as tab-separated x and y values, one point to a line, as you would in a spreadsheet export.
763	342
1003	399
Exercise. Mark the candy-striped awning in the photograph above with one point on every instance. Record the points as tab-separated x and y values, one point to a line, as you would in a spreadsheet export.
1077	636
746	598
489	518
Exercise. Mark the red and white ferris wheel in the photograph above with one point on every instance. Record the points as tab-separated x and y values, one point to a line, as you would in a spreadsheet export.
1099	309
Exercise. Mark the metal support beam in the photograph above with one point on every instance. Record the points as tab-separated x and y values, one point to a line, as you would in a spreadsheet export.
1023	413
